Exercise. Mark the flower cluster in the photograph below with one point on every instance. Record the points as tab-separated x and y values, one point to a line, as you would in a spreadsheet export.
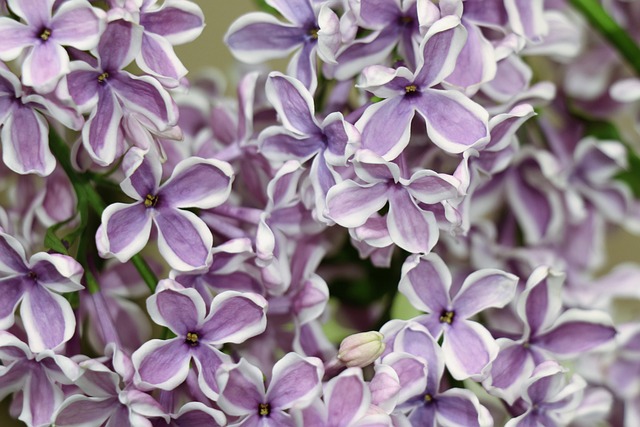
431	181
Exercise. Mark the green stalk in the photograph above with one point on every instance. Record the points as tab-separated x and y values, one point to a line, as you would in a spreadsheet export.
614	33
86	194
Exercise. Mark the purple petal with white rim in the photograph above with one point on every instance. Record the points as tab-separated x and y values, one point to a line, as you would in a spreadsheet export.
177	21
429	187
208	360
577	331
296	381
57	272
11	291
454	122
179	310
293	102
77	24
461	408
241	388
351	204
25	142
468	349
126	229
540	304
143	172
15	37
411	228
44	65
41	396
296	11
162	364
199	414
35	12
509	370
158	59
247	43
234	317
303	65
184	240
185	190
483	289
412	373
426	281
119	45
102	133
79	410
82	85
347	397
47	318
12	257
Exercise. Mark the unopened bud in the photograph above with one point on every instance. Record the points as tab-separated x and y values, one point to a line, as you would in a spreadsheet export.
360	350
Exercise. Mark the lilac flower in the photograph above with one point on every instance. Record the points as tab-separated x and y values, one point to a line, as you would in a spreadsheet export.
233	317
184	239
296	381
36	378
551	399
75	23
313	28
468	347
547	333
46	316
193	414
114	97
412	228
454	122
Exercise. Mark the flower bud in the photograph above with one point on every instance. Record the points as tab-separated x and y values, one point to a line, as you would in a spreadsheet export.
360	350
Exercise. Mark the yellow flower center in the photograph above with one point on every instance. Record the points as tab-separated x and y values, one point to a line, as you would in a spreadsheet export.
103	77
447	317
411	89
149	202
192	338
264	409
46	33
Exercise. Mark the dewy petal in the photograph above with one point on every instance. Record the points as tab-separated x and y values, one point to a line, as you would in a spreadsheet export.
184	240
577	331
119	45
177	21
44	65
454	122
468	349
12	257
351	204
296	381
426	281
127	229
347	397
247	43
234	317
158	59
411	228
162	364
77	24
460	407
386	126
185	190
440	48
241	388
145	96
292	102
483	289
15	37
47	317
11	291
102	133
25	143
181	310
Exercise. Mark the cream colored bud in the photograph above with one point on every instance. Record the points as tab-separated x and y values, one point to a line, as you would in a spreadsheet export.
360	350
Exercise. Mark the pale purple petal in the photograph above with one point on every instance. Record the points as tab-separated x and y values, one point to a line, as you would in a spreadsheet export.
411	228
35	12
198	414
541	303
162	364
483	289
246	40
509	370
126	229
241	389
577	331
208	361
440	49
296	381
351	204
177	21
57	272
77	24
12	257
459	407
412	374
142	174
302	65
82	85
296	11
468	349
234	317
417	341
184	240
280	145
347	398
119	45
181	311
102	134
370	50
79	410
454	122
158	58
44	65
41	398
429	187
426	281
185	190
293	103
47	317
15	37
385	126
25	143
11	291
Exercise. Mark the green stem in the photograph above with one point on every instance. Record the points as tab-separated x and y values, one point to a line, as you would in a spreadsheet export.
87	194
614	33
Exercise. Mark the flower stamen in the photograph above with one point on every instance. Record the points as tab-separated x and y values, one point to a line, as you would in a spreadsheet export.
264	409
192	339
410	88
447	317
46	33
103	77
150	201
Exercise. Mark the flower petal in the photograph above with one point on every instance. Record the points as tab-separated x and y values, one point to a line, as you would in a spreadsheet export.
44	65
125	230
468	350
241	388
483	289
460	407
180	310
292	102
426	281
25	142
410	227
177	21
47	317
296	381
351	204
77	24
102	134
234	317
162	364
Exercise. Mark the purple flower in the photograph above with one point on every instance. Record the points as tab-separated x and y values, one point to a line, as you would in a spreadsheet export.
184	239
46	316
233	317
296	381
468	347
454	122
75	23
313	28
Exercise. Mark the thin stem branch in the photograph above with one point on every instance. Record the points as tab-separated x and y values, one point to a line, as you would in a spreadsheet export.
614	33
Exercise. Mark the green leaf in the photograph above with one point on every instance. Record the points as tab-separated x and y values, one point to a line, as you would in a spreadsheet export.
262	5
53	242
